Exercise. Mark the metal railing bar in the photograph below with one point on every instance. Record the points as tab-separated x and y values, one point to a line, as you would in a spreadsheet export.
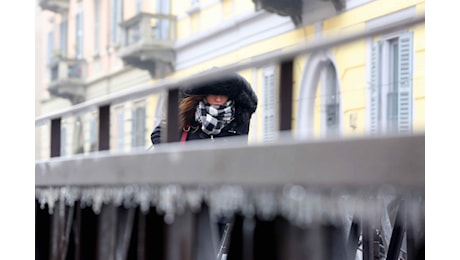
357	162
278	56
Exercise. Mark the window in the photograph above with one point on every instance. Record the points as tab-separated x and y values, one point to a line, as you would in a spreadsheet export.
391	85
116	19
138	6
138	126
269	104
120	129
331	100
63	38
163	24
63	140
79	35
97	7
93	134
50	45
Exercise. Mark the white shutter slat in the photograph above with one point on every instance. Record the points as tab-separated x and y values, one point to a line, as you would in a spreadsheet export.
269	105
375	89
63	38
120	131
405	83
142	126
50	46
134	130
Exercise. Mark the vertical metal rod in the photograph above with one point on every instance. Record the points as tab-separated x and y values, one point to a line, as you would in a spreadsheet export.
235	246
67	230
55	137
58	231
42	232
124	226
411	244
368	240
285	97
398	233
107	232
104	128
77	230
172	133
141	235
89	225
353	238
225	241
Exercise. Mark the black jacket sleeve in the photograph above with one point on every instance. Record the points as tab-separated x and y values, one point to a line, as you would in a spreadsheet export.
155	136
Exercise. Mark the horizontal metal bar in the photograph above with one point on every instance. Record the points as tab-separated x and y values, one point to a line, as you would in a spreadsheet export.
396	161
282	55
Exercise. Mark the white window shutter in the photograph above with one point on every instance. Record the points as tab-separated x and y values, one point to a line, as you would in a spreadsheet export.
92	134
79	35
405	83
63	140
50	46
163	7
63	38
141	129
269	105
120	129
138	6
375	89
117	16
97	24
138	134
134	129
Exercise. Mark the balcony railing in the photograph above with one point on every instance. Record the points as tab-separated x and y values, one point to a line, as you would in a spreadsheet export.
67	78
301	10
147	42
57	6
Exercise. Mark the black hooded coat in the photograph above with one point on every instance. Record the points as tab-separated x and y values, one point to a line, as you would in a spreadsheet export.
235	88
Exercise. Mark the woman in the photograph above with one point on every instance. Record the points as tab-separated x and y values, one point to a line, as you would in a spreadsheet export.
219	108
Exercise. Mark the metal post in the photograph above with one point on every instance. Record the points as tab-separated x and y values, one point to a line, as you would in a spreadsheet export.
368	240
172	133
285	98
397	235
42	232
353	238
104	128
88	242
55	137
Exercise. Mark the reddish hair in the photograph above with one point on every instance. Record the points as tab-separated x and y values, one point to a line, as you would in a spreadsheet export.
187	110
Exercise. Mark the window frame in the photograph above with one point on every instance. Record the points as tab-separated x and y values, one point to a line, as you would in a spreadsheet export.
138	137
388	119
270	103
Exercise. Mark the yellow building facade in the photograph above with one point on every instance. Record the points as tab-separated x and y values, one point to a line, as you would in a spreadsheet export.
372	85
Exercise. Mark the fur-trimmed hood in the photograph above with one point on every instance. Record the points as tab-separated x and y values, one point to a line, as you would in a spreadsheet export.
233	86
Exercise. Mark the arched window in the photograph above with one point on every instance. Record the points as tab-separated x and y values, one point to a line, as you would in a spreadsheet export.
331	101
320	70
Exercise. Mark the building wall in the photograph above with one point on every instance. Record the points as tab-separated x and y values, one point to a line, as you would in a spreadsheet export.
217	33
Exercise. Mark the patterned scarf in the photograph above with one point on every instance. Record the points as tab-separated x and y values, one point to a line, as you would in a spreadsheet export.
214	118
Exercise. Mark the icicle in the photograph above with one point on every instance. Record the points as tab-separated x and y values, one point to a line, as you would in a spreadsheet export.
97	198
144	197
194	198
70	195
227	199
47	196
171	202
266	203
